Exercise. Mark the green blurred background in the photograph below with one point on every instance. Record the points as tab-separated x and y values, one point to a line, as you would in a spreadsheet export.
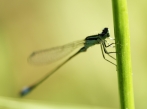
30	25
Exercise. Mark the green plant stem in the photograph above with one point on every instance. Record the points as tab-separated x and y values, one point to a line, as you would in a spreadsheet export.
122	39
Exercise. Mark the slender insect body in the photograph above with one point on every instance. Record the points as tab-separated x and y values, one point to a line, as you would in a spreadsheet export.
50	55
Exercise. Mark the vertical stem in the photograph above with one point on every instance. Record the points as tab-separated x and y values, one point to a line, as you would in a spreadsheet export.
122	38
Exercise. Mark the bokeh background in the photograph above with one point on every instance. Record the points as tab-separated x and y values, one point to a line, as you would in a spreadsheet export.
30	25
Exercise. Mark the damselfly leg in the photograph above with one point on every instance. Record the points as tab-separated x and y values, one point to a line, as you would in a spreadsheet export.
104	50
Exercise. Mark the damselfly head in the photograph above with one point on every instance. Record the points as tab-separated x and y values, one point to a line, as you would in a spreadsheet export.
106	32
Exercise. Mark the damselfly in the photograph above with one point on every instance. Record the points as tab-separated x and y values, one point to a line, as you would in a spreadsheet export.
50	55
